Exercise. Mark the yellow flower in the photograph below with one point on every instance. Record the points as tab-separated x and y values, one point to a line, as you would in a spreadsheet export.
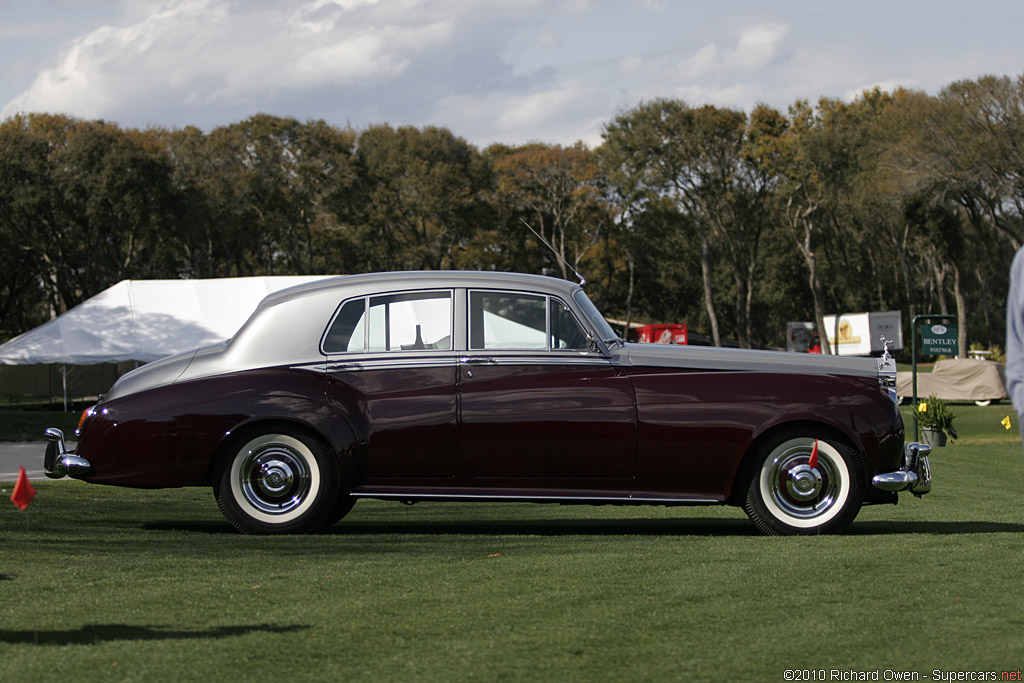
922	407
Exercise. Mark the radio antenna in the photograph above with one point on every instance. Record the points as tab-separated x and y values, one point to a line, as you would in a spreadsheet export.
554	251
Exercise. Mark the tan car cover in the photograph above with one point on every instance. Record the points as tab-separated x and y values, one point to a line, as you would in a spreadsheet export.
955	380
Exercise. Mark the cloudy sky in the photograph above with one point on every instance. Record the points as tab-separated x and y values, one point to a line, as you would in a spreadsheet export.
489	70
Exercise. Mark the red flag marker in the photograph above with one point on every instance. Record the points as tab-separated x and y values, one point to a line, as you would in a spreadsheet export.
813	462
23	491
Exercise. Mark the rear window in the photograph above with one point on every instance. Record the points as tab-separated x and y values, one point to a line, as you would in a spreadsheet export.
406	321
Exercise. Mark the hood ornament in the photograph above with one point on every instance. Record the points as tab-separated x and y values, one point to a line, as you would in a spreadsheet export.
886	357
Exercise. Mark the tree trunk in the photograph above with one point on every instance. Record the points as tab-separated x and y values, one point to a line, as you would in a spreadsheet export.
629	295
961	313
741	322
813	282
748	305
819	313
709	304
939	271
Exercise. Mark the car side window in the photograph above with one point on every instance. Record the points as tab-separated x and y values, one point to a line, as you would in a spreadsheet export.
409	321
566	332
347	332
517	321
506	320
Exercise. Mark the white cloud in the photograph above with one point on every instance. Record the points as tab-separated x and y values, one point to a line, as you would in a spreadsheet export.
756	48
13	30
631	65
563	114
706	61
499	70
737	75
889	85
736	95
211	57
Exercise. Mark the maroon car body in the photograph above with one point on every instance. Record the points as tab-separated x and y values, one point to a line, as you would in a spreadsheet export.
492	386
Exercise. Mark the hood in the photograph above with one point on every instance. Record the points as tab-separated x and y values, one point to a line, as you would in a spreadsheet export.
743	360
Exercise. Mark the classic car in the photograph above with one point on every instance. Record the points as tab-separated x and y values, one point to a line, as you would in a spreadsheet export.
474	386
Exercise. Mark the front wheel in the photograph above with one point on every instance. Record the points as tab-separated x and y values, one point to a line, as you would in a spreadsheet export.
276	483
788	493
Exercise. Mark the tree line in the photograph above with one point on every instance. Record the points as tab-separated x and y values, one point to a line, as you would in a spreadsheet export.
732	222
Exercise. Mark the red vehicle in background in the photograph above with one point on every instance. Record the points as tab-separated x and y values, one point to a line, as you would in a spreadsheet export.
661	334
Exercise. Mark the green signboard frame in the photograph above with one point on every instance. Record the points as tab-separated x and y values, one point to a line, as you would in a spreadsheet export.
933	343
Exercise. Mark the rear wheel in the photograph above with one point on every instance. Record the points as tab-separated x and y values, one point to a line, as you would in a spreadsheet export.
277	482
788	493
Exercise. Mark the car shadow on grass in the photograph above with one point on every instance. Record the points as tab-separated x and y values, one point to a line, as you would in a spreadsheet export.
559	527
600	527
95	634
935	528
682	527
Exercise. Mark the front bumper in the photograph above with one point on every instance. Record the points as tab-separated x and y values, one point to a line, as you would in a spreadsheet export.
915	474
58	462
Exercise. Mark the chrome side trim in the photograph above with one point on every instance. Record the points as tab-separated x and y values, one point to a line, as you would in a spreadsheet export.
491	359
57	462
340	364
337	364
526	497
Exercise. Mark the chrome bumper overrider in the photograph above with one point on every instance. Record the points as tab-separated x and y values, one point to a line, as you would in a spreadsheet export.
58	462
915	475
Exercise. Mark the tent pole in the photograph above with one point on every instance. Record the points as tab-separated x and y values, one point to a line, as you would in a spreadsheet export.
64	381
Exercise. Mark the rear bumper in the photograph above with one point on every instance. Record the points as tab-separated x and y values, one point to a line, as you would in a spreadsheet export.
915	474
58	462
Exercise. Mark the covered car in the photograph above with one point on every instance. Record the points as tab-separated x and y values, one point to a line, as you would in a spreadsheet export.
478	386
956	379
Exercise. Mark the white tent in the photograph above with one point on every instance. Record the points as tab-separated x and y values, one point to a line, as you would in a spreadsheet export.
143	320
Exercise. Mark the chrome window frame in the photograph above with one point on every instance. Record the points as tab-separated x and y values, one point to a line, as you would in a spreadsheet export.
452	324
548	298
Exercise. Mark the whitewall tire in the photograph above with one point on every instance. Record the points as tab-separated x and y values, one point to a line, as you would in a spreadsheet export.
277	482
787	493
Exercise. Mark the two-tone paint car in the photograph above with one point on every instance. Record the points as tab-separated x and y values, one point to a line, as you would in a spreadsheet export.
483	386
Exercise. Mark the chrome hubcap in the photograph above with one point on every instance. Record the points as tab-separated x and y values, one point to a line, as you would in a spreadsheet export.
803	483
799	489
274	478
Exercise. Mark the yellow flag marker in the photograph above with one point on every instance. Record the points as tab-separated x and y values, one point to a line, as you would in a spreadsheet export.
1006	422
922	407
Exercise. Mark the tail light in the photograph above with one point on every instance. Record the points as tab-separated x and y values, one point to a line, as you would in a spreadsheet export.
81	420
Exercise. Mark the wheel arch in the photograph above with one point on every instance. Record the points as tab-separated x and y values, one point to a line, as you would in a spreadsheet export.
825	429
339	438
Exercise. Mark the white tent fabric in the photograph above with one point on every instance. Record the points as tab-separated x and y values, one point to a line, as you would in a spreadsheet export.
144	320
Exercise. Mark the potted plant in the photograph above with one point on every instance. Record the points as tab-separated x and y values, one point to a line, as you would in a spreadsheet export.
935	420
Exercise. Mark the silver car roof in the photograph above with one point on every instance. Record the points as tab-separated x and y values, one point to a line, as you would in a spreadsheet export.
372	283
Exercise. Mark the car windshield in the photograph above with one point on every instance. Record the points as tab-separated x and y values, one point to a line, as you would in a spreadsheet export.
604	330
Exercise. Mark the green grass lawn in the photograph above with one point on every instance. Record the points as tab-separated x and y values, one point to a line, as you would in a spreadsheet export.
100	583
975	425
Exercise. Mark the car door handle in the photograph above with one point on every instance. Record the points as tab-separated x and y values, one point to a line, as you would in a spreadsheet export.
344	367
476	360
